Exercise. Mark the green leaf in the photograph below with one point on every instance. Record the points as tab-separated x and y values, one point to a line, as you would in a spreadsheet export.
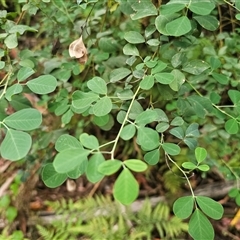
196	67
25	119
43	84
79	170
146	117
109	167
189	165
215	63
136	165
164	78
21	29
128	132
192	130
171	8
202	8
152	157
97	85
147	82
66	141
162	126
183	207
13	90
102	107
171	148
67	116
126	188
200	227
221	78
135	110
162	20
108	45
208	22
190	142
179	79
83	100
24	73
130	49
11	41
142	9
134	37
119	74
126	94
101	121
200	154
92	173
62	108
159	67
233	192
210	207
51	178
177	121
15	145
231	126
177	132
200	105
147	138
161	115
2	64
179	26
234	96
89	141
68	159
203	167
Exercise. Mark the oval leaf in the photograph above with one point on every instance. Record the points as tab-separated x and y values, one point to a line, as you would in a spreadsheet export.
126	188
43	84
66	141
51	178
179	26
135	165
89	141
183	207
152	157
67	160
134	37
171	148
210	207
200	154
102	107
15	145
109	167
200	227
97	85
92	173
231	126
25	119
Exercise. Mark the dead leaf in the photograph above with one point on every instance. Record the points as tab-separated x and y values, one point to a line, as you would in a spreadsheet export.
78	50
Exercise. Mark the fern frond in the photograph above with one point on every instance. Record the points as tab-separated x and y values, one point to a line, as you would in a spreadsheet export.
45	233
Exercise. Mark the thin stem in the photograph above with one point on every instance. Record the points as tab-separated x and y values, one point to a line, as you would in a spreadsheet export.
217	107
124	121
185	175
7	77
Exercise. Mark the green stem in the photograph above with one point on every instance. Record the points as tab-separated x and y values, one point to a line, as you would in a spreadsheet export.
184	174
124	121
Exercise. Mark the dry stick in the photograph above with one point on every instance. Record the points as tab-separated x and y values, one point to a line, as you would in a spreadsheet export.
7	183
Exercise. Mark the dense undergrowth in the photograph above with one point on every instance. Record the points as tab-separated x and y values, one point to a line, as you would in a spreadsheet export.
150	84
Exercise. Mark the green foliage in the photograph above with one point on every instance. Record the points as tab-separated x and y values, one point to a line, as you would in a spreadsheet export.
158	84
199	225
110	222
